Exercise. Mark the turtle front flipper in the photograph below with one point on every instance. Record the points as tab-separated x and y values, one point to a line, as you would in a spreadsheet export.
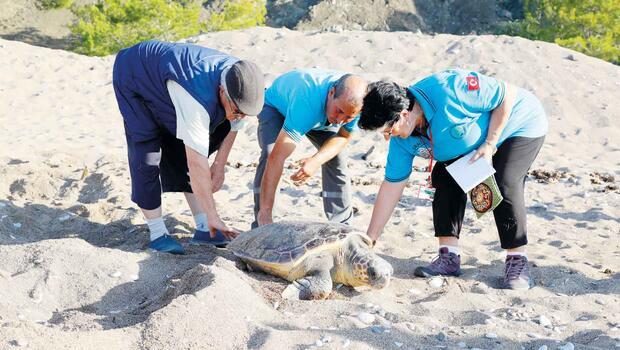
316	284
314	287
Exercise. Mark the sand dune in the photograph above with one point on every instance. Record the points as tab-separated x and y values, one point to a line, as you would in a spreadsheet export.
74	272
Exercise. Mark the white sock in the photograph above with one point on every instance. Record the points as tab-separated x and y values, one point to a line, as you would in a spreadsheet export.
201	222
451	248
524	254
157	227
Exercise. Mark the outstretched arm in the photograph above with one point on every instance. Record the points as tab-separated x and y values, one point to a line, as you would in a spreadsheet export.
499	118
282	149
329	150
389	194
219	163
200	179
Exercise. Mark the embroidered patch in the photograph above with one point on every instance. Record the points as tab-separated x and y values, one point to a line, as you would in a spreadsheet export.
424	153
472	83
482	198
458	131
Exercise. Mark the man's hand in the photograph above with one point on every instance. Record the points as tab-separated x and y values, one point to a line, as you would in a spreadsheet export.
307	168
264	218
486	151
217	177
215	224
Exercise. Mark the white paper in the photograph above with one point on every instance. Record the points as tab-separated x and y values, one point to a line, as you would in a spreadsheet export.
469	175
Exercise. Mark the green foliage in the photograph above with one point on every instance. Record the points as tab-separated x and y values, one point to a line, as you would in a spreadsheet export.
588	26
238	14
54	4
110	25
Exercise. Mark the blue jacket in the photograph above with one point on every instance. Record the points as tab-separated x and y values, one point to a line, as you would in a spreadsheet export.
144	68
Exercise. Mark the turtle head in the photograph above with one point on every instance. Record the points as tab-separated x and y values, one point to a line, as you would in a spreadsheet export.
366	267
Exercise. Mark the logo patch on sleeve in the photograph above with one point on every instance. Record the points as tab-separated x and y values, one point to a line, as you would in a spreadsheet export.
472	83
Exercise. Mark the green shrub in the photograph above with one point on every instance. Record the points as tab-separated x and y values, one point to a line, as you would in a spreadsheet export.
54	4
110	25
237	14
588	26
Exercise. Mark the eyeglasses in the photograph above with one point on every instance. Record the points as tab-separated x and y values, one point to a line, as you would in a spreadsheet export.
236	113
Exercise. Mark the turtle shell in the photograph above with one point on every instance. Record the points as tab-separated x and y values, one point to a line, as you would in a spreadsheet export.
285	242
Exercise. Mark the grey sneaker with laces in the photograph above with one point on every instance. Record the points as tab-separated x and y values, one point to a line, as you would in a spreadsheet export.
445	264
517	273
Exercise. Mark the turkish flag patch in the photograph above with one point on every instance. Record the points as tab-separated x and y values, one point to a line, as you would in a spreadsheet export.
472	83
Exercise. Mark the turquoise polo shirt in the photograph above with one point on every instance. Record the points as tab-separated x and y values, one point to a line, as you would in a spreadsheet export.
301	96
457	105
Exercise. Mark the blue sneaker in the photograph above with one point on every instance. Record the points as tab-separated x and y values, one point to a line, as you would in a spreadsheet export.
204	237
167	244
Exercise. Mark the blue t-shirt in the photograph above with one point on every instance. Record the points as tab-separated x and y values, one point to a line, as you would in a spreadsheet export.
301	96
400	156
457	105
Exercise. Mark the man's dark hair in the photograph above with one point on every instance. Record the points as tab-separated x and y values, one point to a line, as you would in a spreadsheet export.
383	104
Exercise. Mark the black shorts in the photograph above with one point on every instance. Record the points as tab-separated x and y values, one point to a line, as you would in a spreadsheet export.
511	162
160	165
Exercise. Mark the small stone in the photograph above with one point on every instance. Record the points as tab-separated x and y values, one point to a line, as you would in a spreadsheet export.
326	339
377	329
368	306
276	305
318	342
346	343
134	277
544	321
533	335
544	347
415	291
20	342
116	274
366	318
599	301
436	282
381	312
462	345
567	346
441	336
491	336
17	225
66	216
398	344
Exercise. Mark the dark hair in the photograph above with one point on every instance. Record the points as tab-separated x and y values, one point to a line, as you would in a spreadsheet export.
383	104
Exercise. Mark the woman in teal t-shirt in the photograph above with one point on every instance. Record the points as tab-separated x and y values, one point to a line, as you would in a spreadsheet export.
453	113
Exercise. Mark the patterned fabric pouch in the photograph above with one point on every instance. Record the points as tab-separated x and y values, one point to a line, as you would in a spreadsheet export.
485	196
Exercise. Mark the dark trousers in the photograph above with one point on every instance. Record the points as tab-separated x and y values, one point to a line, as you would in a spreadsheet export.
160	165
511	162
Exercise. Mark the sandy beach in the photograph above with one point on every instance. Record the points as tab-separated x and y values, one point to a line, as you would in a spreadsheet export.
75	272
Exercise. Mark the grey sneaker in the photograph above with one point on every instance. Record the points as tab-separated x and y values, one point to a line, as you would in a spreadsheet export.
517	273
445	264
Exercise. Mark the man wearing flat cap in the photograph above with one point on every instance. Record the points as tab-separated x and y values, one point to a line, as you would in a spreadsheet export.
181	103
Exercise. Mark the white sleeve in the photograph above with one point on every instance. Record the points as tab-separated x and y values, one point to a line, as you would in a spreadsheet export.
192	119
238	124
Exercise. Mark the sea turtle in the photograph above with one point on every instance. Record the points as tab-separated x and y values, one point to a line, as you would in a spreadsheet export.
313	255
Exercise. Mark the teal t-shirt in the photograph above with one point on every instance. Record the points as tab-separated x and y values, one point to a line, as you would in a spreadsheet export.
301	96
457	105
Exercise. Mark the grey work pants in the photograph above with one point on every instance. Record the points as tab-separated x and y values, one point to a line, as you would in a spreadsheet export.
336	181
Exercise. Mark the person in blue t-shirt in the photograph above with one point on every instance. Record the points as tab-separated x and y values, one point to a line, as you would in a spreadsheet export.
453	113
323	106
180	103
